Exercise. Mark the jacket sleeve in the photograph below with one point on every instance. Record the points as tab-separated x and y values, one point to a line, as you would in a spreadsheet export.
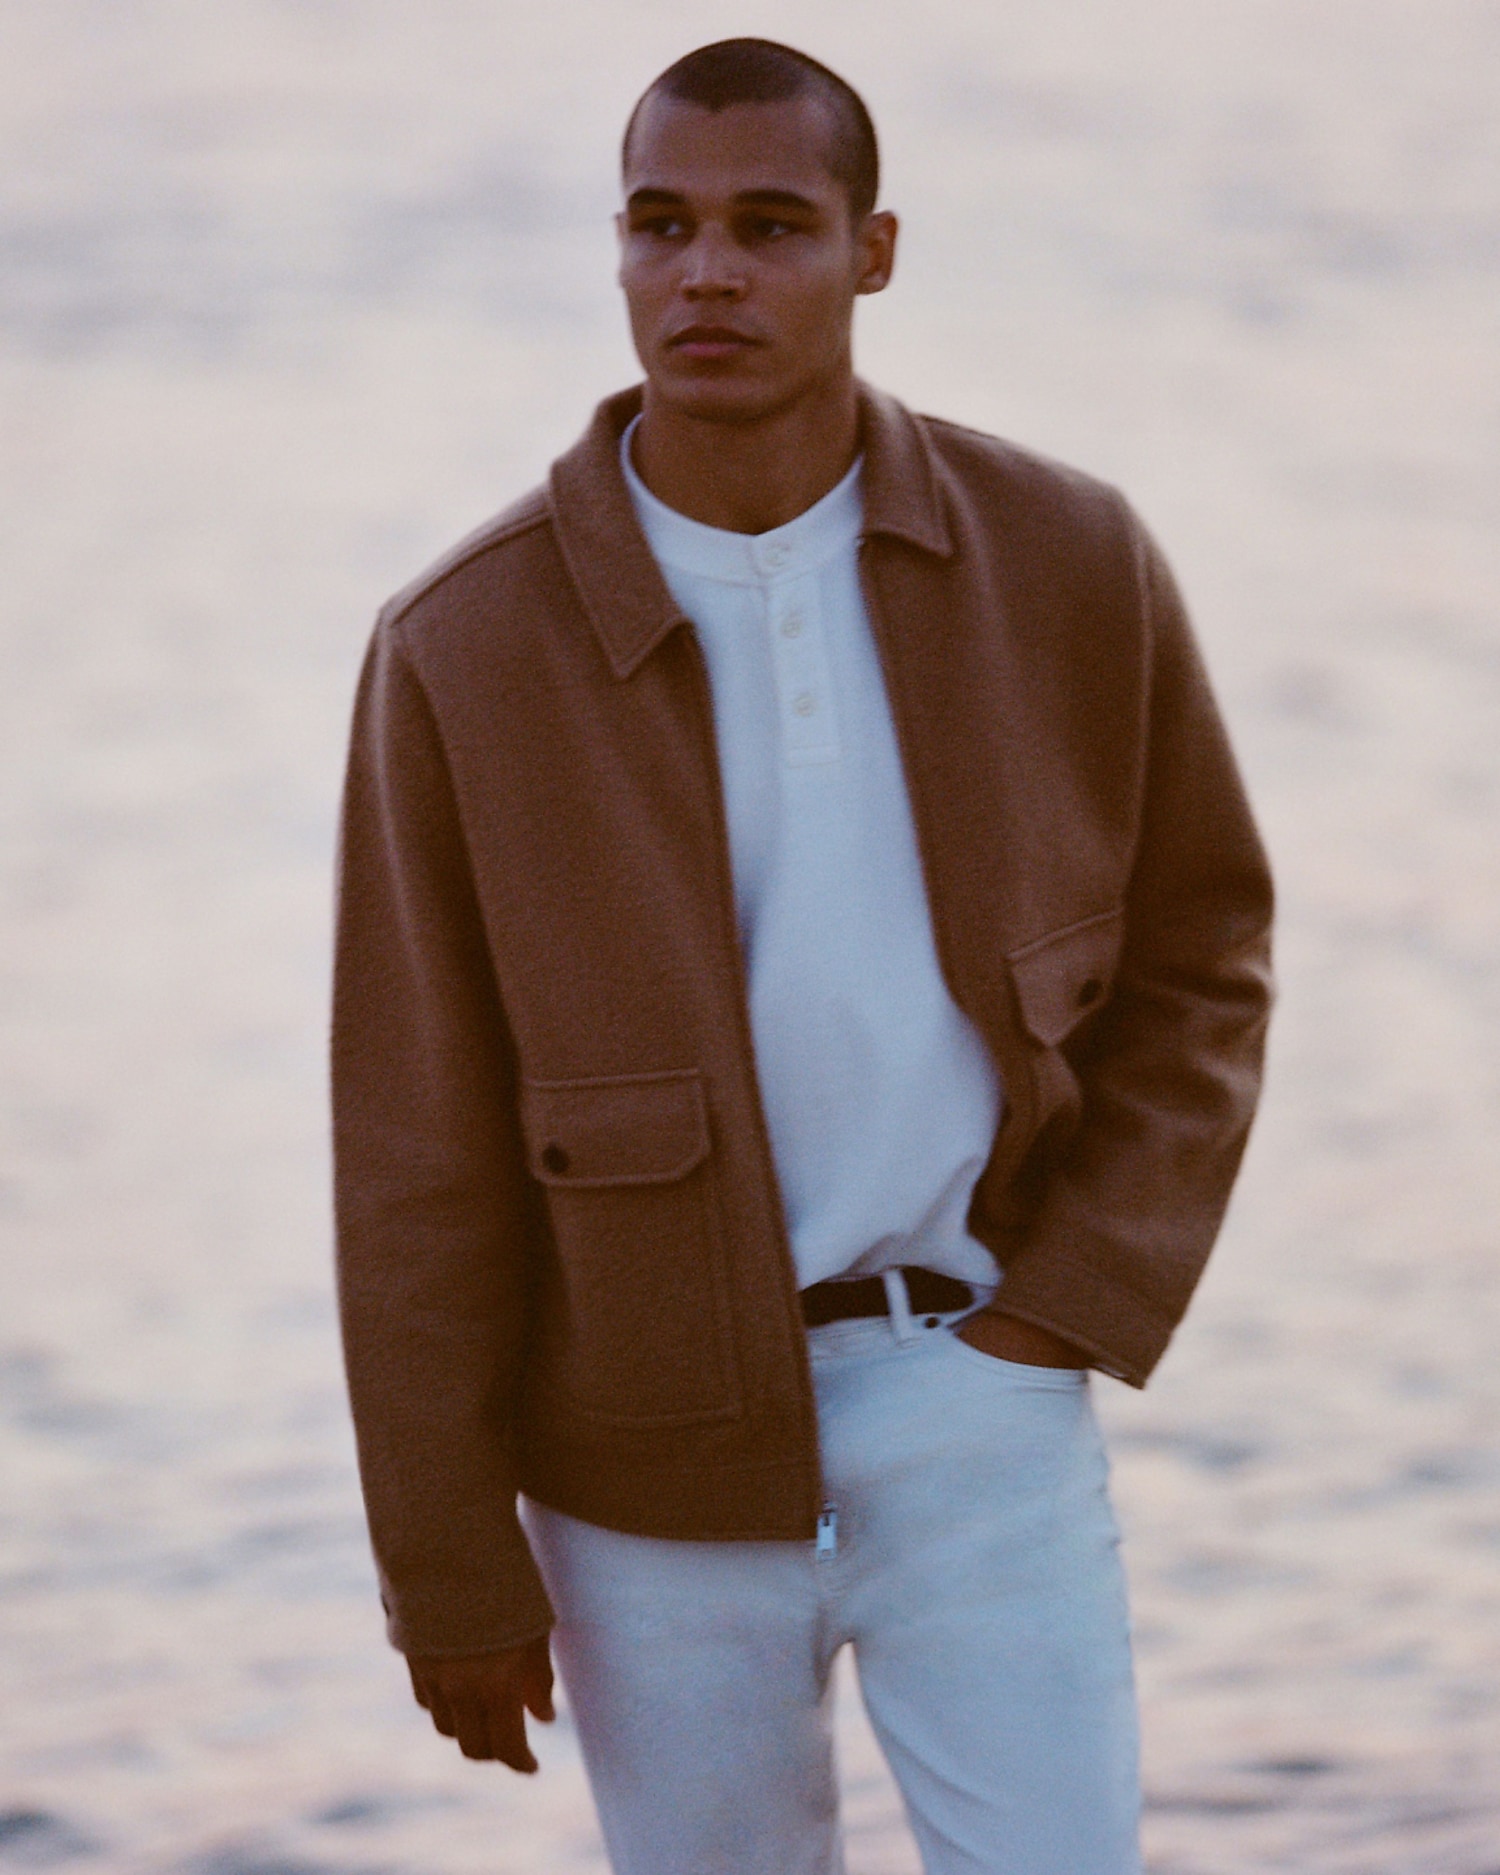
1169	1070
433	1203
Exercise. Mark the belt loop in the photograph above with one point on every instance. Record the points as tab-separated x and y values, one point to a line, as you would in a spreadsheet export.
899	1304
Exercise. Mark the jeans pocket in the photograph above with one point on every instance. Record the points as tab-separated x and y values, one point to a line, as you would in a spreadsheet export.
1019	1373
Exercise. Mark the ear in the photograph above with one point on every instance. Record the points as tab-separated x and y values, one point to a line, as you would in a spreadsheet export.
877	252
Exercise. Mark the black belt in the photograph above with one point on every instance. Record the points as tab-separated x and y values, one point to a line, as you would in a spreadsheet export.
928	1293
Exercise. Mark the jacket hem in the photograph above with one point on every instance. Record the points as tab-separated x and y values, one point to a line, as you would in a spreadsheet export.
719	1504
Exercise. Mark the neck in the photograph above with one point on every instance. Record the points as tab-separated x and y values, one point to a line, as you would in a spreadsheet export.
748	477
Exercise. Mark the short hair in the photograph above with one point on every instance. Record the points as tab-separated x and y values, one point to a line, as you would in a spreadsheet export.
759	71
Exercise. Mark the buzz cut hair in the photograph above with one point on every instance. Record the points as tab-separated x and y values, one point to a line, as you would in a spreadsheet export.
759	71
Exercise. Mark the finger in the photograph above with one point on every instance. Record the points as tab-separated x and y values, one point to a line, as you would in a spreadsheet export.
443	1717
509	1744
473	1730
539	1690
418	1686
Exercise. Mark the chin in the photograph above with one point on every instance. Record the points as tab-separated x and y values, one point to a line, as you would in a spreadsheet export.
718	400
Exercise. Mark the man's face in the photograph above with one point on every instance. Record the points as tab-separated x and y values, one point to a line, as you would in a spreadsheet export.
738	256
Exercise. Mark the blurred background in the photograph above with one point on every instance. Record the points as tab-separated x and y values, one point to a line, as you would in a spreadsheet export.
292	293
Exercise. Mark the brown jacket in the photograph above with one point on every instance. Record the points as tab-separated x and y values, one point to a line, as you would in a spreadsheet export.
563	1263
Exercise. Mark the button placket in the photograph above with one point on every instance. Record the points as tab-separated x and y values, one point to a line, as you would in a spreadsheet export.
804	687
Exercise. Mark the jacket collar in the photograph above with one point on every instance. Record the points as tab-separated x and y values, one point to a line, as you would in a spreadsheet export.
613	569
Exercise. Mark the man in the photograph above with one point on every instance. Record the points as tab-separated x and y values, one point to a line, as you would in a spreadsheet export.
802	972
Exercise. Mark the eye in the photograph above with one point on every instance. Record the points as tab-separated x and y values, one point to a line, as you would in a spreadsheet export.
769	228
665	226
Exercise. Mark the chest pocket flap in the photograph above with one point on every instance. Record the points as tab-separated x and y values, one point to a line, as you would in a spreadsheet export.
1066	975
624	1129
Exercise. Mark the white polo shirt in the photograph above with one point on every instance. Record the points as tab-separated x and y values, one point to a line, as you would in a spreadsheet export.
881	1099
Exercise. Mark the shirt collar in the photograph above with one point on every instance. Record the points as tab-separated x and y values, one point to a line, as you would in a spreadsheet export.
604	545
819	534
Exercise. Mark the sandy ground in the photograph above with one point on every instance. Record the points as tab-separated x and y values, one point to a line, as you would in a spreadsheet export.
293	293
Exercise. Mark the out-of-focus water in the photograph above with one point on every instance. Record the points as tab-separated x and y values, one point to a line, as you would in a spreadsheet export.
291	294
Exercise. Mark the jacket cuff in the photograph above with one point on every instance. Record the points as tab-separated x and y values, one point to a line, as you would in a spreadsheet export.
1122	1335
504	1608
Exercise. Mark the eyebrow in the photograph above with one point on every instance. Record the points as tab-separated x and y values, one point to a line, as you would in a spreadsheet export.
748	198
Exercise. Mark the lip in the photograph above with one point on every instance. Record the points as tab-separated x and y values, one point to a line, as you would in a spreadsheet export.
710	343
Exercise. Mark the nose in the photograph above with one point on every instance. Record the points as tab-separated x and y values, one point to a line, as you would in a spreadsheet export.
713	267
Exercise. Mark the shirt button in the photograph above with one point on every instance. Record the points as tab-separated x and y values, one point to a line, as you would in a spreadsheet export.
804	703
777	554
791	625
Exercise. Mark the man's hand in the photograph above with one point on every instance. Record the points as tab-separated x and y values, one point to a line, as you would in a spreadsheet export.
482	1699
1010	1339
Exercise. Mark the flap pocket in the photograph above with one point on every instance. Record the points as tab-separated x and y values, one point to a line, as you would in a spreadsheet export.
623	1129
1067	975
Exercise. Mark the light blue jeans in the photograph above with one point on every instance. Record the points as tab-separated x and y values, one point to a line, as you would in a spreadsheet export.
970	1558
